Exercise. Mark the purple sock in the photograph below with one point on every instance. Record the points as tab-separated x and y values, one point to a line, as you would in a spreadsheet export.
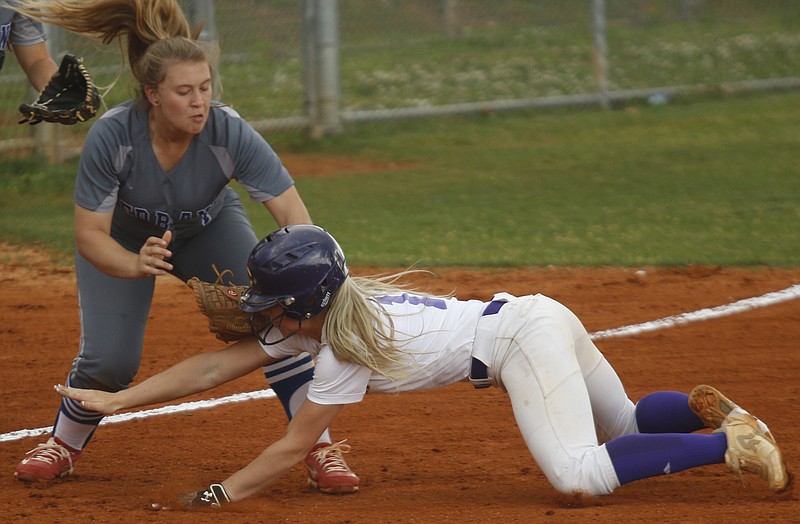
666	412
638	456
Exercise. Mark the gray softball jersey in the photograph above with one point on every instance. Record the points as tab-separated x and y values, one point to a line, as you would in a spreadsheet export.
16	29
119	172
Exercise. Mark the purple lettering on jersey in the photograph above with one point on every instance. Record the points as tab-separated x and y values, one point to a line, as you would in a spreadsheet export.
438	303
205	217
141	213
5	31
163	220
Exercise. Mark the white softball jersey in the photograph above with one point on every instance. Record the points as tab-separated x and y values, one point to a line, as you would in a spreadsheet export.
435	337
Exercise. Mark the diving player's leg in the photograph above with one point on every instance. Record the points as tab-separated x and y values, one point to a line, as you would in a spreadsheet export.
541	373
665	419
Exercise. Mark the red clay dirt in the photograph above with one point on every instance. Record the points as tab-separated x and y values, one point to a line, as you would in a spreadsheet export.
450	455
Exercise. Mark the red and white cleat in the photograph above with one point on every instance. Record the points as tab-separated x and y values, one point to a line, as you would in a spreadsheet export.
327	470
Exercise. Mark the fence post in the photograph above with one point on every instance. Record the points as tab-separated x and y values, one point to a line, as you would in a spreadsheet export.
450	18
309	69
202	12
600	51
321	60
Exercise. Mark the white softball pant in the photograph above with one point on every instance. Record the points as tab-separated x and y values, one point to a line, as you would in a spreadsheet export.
566	398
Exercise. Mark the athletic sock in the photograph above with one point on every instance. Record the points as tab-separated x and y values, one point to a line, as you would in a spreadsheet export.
638	456
666	412
75	426
289	379
286	377
64	444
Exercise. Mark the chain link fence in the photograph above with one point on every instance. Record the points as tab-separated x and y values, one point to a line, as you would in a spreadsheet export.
319	65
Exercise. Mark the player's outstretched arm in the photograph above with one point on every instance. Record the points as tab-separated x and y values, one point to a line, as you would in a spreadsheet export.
303	432
196	374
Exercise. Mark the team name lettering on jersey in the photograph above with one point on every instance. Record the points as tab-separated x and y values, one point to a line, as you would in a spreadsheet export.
438	303
163	219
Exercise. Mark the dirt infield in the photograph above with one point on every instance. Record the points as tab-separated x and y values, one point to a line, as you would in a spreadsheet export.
452	455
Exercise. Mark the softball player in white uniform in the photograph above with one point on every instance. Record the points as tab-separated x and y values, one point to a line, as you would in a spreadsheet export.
366	336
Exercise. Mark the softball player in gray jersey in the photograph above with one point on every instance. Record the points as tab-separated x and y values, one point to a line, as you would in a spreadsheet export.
152	197
369	336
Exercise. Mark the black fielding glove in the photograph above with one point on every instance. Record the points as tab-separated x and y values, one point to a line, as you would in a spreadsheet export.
68	98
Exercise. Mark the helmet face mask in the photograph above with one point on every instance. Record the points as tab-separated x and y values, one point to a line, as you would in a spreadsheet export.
263	334
298	267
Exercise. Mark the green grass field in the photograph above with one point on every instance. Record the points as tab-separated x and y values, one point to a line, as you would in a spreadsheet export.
707	181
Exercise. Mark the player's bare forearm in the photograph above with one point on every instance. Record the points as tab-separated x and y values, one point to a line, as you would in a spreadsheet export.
35	60
268	467
198	373
94	243
303	432
107	255
193	375
288	208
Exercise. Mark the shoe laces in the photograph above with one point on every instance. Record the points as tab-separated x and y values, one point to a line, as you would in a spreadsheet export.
331	457
754	445
50	452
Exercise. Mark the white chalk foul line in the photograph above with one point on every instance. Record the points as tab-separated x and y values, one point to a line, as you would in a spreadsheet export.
166	410
739	306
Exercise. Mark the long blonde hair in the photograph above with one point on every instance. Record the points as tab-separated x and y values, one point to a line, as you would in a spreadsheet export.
358	328
156	32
